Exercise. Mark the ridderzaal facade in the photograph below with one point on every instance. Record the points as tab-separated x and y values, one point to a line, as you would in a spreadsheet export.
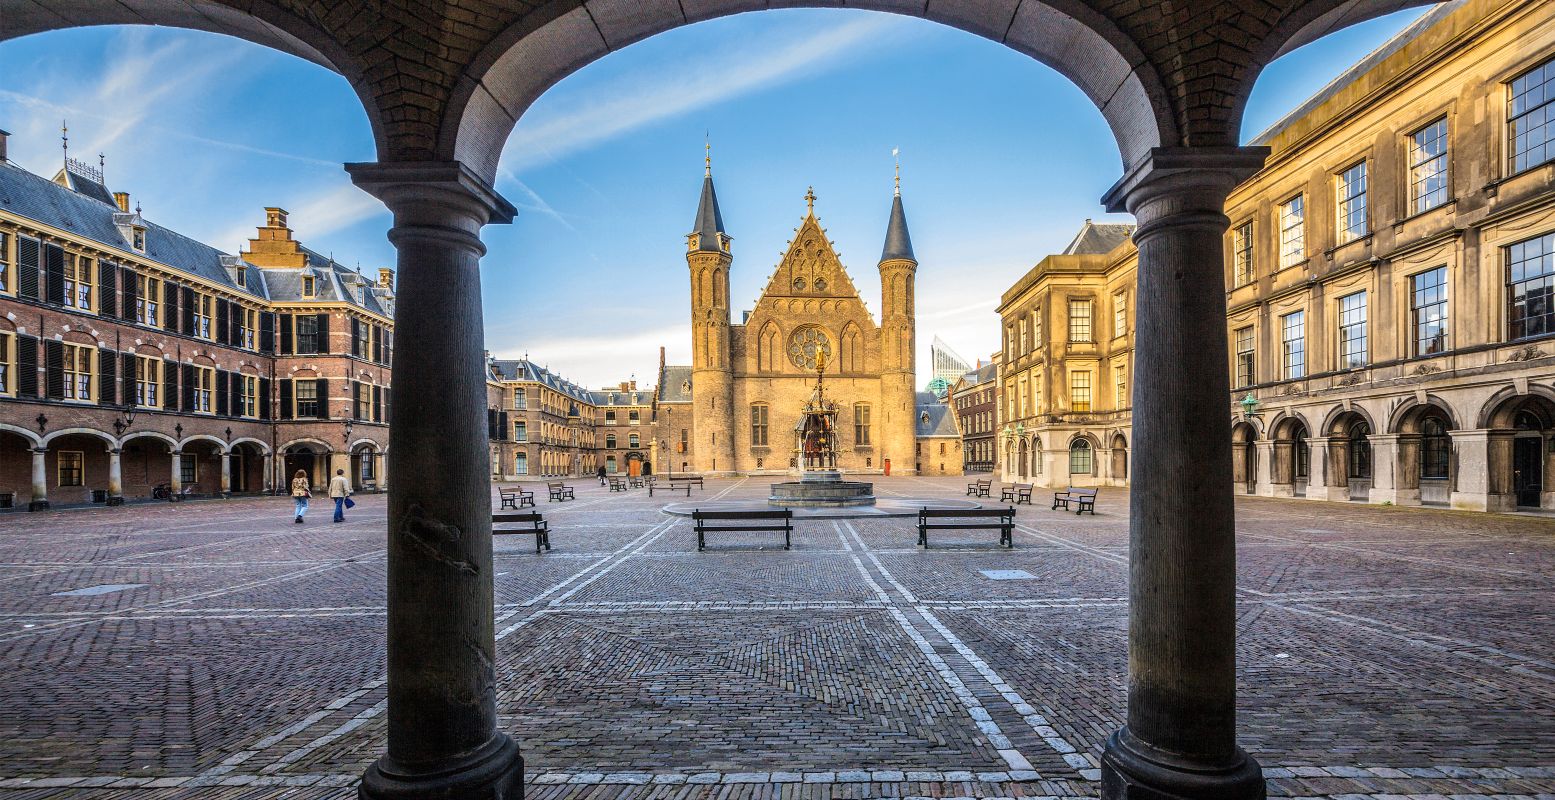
134	358
1391	291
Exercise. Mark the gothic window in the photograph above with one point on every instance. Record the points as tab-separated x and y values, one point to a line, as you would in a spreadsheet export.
861	424
758	424
820	284
809	346
799	284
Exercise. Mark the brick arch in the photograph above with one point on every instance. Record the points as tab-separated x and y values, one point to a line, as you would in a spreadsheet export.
535	51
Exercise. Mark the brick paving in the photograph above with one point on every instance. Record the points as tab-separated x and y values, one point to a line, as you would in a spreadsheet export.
216	650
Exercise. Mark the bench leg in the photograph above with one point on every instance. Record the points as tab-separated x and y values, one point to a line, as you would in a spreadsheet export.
701	541
547	540
539	538
788	538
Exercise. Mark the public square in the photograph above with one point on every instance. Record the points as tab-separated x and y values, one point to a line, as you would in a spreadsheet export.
216	649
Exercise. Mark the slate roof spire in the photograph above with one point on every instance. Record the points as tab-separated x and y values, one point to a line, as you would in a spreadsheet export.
710	221
898	244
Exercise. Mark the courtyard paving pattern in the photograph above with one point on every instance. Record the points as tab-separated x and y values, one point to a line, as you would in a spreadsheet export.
215	649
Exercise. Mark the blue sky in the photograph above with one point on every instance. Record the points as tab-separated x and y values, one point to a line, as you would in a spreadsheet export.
1002	160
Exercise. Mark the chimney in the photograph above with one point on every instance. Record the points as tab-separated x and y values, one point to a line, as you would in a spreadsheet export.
661	358
122	200
3	136
386	277
634	385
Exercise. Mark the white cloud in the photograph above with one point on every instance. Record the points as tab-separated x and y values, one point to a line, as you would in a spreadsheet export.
594	360
630	103
335	208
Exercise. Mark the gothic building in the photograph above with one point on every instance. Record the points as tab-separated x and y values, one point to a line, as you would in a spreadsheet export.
748	380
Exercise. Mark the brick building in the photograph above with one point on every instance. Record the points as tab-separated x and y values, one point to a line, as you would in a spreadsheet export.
974	399
132	356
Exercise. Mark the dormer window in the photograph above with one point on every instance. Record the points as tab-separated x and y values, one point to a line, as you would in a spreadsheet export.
309	285
138	239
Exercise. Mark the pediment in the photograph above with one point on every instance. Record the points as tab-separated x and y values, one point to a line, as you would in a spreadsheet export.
810	267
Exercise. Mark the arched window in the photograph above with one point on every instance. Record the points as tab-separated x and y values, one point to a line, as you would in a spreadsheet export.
1435	447
1080	457
1036	455
610	440
1360	450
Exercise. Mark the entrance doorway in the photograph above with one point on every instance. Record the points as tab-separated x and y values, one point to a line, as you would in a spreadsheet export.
1527	470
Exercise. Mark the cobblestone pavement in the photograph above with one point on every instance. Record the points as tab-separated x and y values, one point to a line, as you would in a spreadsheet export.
217	650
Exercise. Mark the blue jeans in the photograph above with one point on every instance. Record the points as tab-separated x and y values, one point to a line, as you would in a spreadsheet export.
302	505
340	509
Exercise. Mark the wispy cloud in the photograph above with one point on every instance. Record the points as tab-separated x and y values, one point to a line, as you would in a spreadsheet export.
627	104
597	360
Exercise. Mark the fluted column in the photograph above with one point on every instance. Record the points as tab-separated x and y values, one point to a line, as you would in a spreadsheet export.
115	478
40	480
1180	739
442	717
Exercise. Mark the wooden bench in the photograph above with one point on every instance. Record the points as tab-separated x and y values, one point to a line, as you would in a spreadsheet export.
696	479
516	497
559	491
1017	493
537	526
744	521
674	486
979	488
617	485
1005	525
1083	499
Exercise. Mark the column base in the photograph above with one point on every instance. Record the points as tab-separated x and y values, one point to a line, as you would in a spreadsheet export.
495	772
116	501
1131	770
38	505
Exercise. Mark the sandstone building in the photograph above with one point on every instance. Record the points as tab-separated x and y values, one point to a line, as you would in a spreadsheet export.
132	356
748	380
1390	279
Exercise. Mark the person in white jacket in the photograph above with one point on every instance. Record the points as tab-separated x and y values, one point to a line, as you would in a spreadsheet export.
339	490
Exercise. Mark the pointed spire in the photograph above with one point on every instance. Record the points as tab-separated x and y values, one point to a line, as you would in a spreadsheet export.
710	221
809	201
898	245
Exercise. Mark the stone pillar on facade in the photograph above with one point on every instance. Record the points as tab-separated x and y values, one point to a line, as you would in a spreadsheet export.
1476	485
1335	450
442	718
175	478
1319	470
1180	737
115	478
273	465
383	471
1395	476
1263	477
226	472
40	480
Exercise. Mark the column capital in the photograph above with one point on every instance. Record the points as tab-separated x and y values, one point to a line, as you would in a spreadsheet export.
1209	172
430	192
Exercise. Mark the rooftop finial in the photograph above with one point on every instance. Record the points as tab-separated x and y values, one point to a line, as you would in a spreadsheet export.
707	143
809	199
64	138
896	153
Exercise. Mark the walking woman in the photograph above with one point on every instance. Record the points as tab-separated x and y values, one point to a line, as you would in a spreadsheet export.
300	493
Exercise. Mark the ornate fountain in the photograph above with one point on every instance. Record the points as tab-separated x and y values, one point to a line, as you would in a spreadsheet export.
815	443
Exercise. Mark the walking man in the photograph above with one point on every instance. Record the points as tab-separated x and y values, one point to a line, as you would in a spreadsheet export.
339	491
601	476
301	491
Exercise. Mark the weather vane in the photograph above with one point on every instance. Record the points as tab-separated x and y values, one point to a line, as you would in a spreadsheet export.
896	153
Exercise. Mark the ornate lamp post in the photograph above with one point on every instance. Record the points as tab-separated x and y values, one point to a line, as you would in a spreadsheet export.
1249	406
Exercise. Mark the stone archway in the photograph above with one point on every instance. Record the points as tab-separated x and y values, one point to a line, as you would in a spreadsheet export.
1244	457
1171	80
1519	451
1292	464
1351	455
1424	469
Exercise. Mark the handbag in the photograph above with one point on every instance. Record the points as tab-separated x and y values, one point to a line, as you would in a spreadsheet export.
350	503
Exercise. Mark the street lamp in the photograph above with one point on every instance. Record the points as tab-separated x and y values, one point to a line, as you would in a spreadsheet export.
120	425
346	435
1249	405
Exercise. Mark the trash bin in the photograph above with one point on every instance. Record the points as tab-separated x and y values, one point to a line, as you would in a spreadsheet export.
99	495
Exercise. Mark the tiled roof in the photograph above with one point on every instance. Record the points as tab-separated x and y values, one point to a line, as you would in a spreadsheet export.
521	369
613	397
935	419
674	384
1097	238
87	216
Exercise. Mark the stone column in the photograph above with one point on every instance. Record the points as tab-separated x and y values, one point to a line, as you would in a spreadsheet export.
272	468
1320	474
383	472
1264	479
1472	467
115	478
175	480
1180	738
226	473
40	480
442	716
1390	480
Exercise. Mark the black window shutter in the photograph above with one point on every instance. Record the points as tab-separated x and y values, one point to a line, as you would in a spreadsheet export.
377	404
54	271
378	344
27	366
28	263
388	395
356	400
188	392
223	383
186	304
264	398
388	348
356	337
286	399
54	368
491	423
222	319
107	377
267	332
286	334
323	393
323	337
502	425
170	385
107	288
170	306
127	396
235	393
235	315
129	294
